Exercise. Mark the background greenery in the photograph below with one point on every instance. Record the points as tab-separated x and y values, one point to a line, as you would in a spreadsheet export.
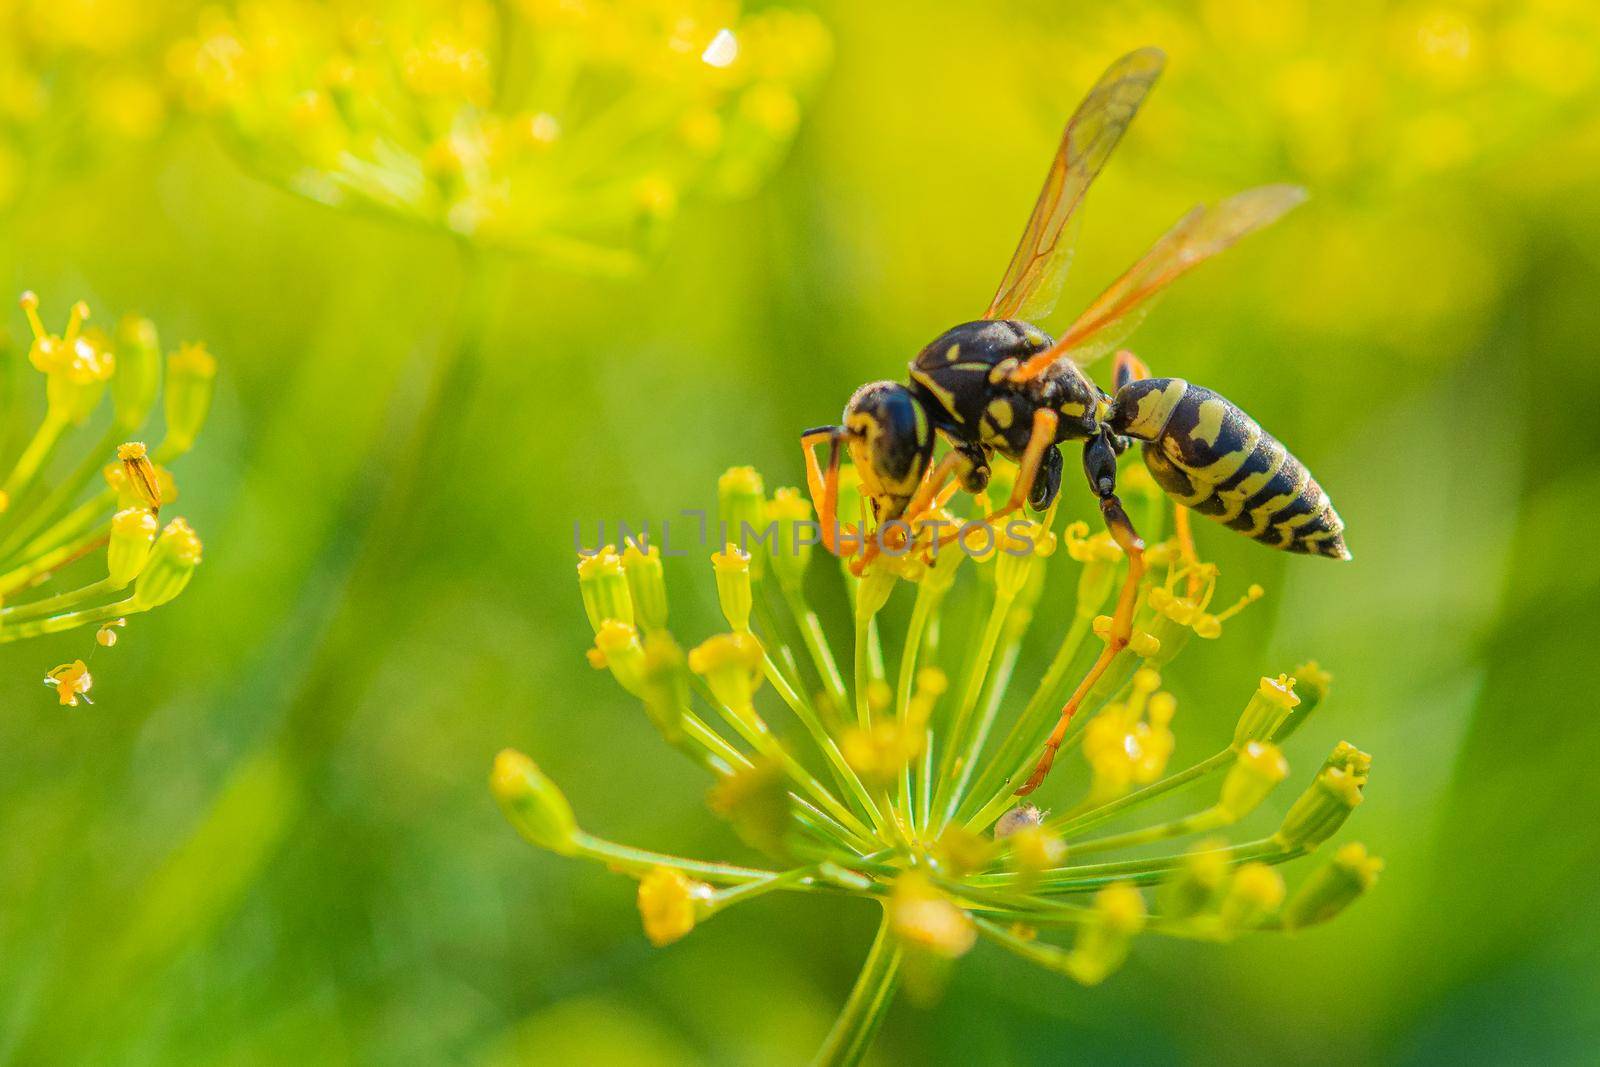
220	863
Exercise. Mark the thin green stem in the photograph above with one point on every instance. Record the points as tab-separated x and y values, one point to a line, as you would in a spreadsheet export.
57	623
977	672
869	1001
50	605
642	861
999	683
1075	822
994	783
843	773
816	642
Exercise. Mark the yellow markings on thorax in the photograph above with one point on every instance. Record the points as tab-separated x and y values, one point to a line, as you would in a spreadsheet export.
940	393
1073	408
1002	370
999	413
952	353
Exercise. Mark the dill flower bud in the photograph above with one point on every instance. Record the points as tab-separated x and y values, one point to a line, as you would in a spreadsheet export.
1324	806
191	380
793	535
137	383
742	507
1199	882
872	591
603	584
617	648
1253	896
1102	944
532	803
731	665
755	800
1267	710
1099	555
172	563
1021	547
141	474
1332	887
732	567
1311	685
1257	769
665	682
647	586
670	903
133	535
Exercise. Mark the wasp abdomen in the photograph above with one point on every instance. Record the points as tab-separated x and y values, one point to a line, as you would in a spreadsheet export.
1212	457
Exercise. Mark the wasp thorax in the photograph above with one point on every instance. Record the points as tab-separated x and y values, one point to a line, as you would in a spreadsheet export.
891	442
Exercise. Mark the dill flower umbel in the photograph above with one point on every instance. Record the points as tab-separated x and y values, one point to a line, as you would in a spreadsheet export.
572	129
85	495
895	779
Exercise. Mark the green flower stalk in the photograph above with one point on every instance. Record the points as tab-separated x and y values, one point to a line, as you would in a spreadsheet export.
81	495
574	130
910	803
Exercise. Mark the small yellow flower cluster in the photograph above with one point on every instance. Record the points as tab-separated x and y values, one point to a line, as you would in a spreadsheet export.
52	520
904	790
570	129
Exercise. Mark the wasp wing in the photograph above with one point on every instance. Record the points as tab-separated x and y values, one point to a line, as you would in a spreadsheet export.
1199	235
1033	280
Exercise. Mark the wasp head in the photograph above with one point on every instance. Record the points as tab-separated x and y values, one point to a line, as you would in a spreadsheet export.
891	443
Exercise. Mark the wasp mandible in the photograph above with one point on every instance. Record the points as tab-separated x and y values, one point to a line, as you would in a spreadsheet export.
1001	385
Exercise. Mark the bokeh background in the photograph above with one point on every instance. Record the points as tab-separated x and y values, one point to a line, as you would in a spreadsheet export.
248	852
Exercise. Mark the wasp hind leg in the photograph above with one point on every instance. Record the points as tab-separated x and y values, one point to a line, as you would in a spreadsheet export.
1100	463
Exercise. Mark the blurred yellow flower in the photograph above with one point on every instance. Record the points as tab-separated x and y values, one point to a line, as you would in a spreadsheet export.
571	129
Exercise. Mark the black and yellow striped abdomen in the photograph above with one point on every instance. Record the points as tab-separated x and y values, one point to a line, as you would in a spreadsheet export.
1210	456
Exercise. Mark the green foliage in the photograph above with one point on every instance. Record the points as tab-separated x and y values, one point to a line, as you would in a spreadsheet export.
250	852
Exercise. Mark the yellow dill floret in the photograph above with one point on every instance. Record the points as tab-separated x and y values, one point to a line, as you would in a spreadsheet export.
670	904
72	682
925	918
731	664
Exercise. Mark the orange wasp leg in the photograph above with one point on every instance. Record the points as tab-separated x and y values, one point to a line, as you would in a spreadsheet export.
930	494
824	488
1043	437
1123	533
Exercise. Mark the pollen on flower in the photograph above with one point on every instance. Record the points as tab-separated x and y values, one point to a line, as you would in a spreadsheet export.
669	904
72	682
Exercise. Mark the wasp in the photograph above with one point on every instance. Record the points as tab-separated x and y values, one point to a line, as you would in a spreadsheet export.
1000	385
